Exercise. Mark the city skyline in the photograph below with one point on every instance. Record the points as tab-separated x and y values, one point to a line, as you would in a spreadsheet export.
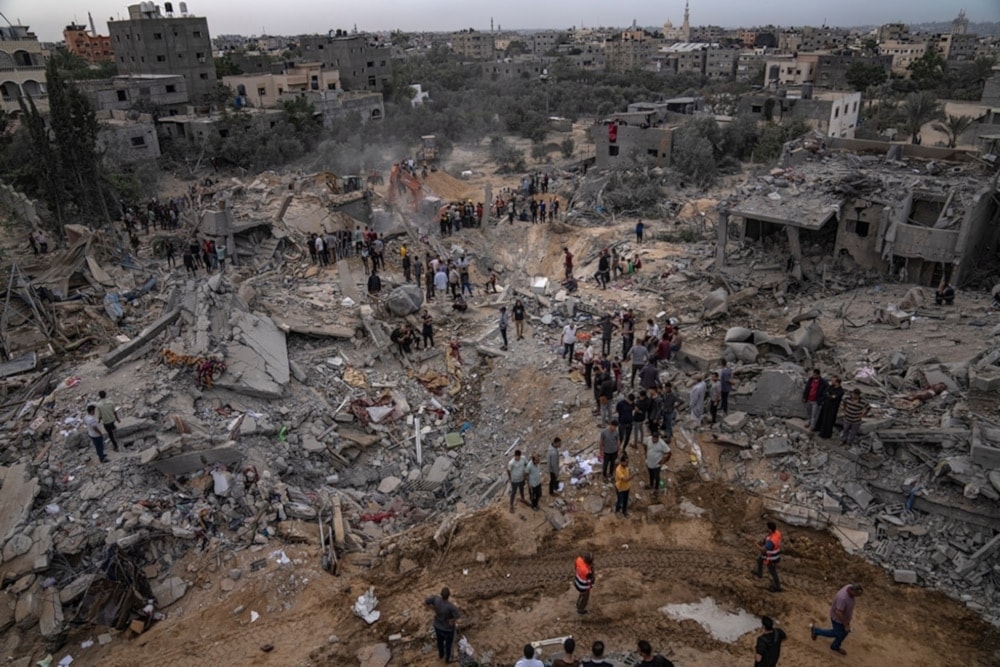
294	17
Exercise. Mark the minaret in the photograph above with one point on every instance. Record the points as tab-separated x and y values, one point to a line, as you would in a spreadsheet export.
686	28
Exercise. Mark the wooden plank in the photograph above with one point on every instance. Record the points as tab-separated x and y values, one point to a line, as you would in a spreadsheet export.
338	522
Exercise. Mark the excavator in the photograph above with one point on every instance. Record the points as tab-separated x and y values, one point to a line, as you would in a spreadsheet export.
401	181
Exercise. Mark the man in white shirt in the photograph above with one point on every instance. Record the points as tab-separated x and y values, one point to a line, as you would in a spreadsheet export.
517	469
529	659
94	432
657	454
569	342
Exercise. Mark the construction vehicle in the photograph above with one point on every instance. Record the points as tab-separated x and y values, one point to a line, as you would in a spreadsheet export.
401	181
428	152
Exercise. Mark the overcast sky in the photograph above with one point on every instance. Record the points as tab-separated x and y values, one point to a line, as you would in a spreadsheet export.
290	17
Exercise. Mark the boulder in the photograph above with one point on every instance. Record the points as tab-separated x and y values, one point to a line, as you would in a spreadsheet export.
716	304
809	337
742	352
405	300
168	591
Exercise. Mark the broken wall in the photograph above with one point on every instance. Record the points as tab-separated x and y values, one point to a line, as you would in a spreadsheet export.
862	241
979	234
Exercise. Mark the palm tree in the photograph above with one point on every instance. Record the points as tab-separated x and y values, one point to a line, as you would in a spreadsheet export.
954	126
919	109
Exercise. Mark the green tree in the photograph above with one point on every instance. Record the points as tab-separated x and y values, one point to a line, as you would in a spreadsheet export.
954	126
507	157
919	109
538	151
693	157
567	146
740	137
927	71
863	76
226	66
516	48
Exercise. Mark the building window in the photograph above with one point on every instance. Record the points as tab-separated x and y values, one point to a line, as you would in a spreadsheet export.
161	59
172	112
331	86
836	112
171	88
122	96
652	152
612	151
157	35
371	81
370	63
261	92
859	227
138	141
196	33
203	76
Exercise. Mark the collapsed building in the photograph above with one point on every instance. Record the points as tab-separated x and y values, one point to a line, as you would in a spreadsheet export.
315	419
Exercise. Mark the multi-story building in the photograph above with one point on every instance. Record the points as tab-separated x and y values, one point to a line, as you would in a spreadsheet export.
474	45
22	69
958	47
165	94
749	63
721	63
546	40
834	113
87	44
897	32
150	42
267	90
903	53
362	61
632	50
826	70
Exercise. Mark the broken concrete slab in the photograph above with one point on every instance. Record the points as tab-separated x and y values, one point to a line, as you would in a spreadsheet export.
17	495
933	376
777	391
50	620
405	300
859	494
983	449
258	360
777	446
307	327
23	364
734	421
125	350
76	588
715	304
904	576
191	461
168	591
376	655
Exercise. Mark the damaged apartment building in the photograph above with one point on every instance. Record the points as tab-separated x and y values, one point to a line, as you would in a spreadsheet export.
918	214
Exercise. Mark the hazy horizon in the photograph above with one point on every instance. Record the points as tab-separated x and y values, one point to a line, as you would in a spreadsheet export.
295	17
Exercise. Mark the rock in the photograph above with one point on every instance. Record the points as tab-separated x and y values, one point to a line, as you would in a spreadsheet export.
777	392
94	490
76	588
17	496
235	574
376	655
904	576
858	494
389	484
439	471
50	622
148	455
746	353
311	444
407	565
18	545
809	337
734	421
168	591
227	585
656	511
405	300
593	504
716	304
6	613
104	639
300	511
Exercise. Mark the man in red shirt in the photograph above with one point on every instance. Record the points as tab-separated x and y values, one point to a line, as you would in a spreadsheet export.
812	396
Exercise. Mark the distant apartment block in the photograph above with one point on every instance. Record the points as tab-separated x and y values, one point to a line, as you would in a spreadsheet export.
87	44
473	45
165	94
825	70
153	42
834	113
267	90
362	62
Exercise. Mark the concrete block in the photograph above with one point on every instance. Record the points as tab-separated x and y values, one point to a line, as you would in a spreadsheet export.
389	484
858	494
168	591
439	471
539	285
777	446
933	376
777	392
904	576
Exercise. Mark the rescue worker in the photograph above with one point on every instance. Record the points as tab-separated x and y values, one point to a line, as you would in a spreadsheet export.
770	556
584	581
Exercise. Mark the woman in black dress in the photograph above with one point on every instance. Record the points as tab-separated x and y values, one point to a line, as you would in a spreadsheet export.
831	406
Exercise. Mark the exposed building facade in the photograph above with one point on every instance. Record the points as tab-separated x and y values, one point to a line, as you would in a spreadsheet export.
149	42
22	69
165	94
473	45
267	90
363	63
833	113
87	44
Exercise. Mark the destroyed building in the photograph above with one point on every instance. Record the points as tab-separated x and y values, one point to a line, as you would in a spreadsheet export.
915	218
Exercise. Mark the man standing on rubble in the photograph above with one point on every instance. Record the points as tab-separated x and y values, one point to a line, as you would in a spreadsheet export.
639	355
534	481
504	321
608	448
726	385
812	396
374	283
517	468
770	556
94	433
569	342
607	328
583	580
446	615
697	400
841	613
657	455
108	414
552	458
854	411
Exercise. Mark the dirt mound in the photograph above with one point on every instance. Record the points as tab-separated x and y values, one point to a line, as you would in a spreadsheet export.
447	187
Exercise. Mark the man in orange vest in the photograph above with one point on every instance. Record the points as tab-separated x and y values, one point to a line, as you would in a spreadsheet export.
770	555
583	581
